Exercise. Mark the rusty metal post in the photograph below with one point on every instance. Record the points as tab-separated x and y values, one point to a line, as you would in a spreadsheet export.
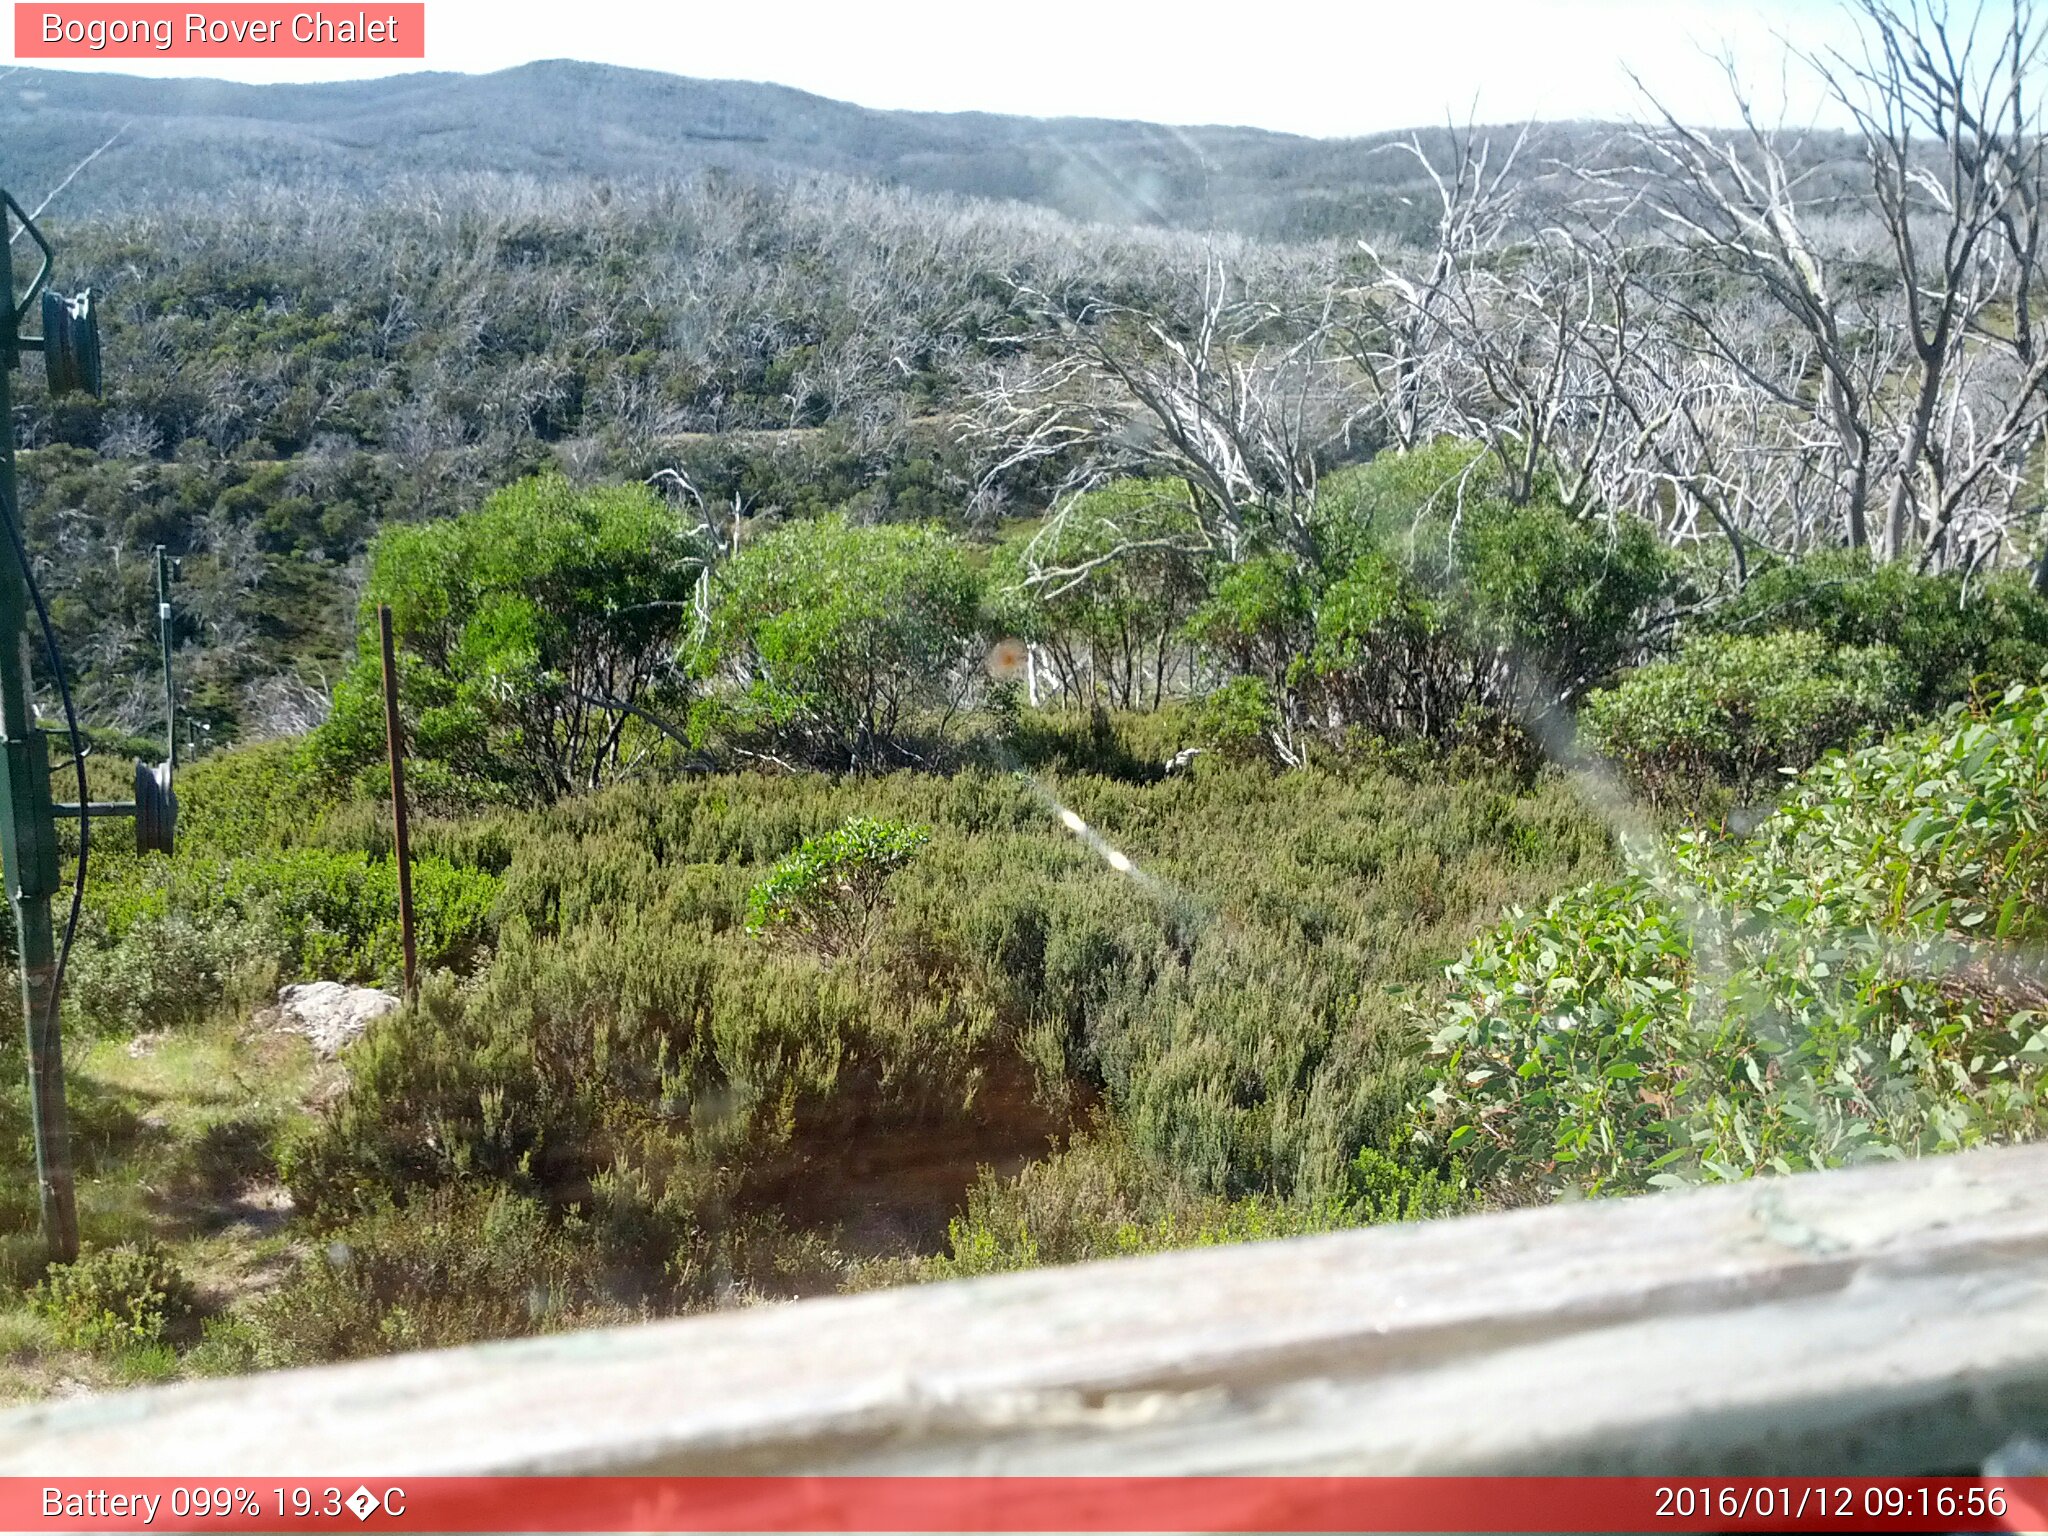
394	733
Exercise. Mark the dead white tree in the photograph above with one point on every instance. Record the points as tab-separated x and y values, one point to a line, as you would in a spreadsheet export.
1685	437
1239	395
1925	382
1963	219
1394	324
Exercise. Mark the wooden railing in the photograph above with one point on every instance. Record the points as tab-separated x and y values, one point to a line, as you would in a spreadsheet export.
1887	1319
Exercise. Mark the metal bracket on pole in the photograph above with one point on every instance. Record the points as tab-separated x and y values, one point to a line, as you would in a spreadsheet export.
155	806
11	339
28	832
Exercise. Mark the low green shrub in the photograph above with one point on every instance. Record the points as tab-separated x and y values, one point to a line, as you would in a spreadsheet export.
459	1266
826	895
1101	1198
1238	720
1112	744
169	943
1736	712
1381	1188
249	799
335	914
228	1346
1837	988
1228	995
651	1071
271	882
1953	636
165	970
110	1300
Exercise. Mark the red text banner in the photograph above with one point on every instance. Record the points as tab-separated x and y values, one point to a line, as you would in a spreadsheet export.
224	31
372	1503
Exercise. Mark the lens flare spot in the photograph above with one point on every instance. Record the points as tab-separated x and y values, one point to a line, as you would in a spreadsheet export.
1008	659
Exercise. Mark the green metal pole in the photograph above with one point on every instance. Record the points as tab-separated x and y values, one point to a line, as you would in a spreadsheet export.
28	837
163	634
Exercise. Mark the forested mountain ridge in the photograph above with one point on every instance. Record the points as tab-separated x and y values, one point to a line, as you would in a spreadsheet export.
564	118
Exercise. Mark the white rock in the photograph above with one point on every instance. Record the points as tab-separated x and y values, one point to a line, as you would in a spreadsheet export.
331	1014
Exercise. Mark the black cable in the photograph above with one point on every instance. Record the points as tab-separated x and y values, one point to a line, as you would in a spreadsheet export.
28	577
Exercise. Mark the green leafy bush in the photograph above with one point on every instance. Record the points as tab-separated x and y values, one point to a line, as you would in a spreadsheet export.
334	914
536	639
112	1299
1103	590
1381	1188
838	645
1433	572
1953	635
1239	720
1940	830
1558	1052
1833	990
1375	505
1735	711
1430	595
826	894
1562	594
1258	618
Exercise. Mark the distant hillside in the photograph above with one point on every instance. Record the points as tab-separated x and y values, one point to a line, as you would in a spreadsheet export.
588	120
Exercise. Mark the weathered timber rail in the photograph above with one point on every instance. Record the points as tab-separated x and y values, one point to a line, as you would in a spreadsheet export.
1887	1319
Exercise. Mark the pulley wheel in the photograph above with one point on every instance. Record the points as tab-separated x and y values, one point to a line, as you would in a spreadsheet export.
71	344
156	808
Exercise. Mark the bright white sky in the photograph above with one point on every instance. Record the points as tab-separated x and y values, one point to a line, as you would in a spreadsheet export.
1327	68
